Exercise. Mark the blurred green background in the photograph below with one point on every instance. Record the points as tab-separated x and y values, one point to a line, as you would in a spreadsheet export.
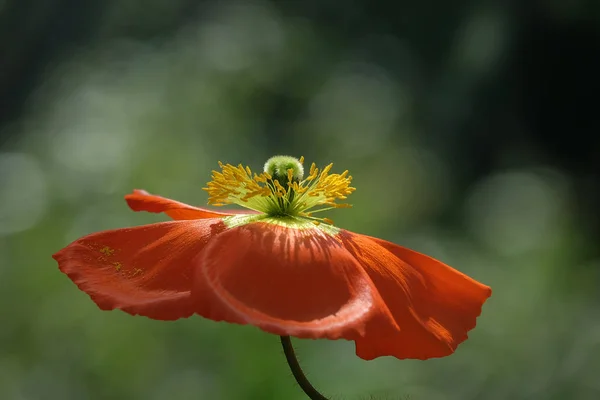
469	128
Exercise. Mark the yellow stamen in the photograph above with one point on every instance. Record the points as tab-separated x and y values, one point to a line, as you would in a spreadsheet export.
286	193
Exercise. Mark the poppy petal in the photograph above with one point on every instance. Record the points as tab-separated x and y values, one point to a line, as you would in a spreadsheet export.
146	270
285	280
140	200
432	304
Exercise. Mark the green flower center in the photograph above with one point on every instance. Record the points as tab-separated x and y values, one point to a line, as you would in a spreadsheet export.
281	190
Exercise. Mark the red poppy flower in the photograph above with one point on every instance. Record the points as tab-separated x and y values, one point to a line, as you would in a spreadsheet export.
278	267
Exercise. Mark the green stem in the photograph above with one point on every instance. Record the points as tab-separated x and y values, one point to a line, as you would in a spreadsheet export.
292	361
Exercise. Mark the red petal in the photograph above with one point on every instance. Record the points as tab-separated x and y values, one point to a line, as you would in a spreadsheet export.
146	270
287	281
433	305
140	200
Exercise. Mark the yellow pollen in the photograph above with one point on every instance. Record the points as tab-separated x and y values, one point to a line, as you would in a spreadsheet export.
294	197
107	251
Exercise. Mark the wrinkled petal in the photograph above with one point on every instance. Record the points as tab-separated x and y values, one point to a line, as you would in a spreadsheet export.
140	200
146	270
432	304
287	281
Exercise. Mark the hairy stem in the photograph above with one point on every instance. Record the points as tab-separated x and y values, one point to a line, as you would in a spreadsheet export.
292	361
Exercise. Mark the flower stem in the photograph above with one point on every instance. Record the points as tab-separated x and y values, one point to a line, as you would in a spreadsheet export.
292	361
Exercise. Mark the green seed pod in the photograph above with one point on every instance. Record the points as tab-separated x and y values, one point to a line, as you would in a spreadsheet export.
278	167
